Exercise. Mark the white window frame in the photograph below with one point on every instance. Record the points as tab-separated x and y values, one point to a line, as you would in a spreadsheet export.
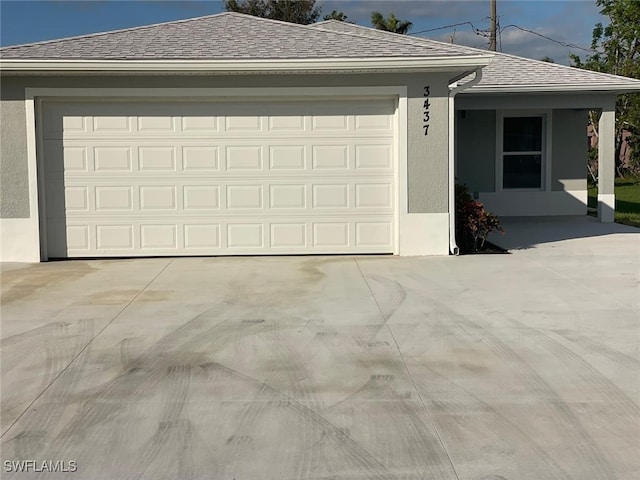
545	164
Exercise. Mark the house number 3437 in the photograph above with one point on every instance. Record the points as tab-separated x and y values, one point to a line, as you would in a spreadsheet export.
426	116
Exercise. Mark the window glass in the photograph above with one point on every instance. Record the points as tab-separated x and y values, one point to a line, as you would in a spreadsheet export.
522	134
522	171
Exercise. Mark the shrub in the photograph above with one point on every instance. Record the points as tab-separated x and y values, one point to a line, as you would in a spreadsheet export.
473	222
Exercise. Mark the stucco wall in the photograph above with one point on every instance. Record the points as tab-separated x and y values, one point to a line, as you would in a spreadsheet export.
14	185
476	158
427	155
476	149
569	150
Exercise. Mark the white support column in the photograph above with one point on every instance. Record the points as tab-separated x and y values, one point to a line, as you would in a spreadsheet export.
607	163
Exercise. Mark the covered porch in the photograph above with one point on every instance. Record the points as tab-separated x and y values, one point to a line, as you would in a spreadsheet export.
525	155
567	233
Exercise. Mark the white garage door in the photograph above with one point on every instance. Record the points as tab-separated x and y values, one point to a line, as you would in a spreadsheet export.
235	177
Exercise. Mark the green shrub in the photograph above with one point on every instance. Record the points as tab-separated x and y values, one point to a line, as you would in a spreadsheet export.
473	222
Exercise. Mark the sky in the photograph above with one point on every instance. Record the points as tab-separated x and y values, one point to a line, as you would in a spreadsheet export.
563	22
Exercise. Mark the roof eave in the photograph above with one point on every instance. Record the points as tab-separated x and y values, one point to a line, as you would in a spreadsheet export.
396	64
546	88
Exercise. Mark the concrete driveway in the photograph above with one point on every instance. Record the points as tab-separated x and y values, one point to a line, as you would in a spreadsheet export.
522	366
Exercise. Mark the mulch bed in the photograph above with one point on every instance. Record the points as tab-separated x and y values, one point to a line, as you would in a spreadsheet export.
487	248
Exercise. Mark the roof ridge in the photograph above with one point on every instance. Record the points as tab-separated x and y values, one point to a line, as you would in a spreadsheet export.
119	30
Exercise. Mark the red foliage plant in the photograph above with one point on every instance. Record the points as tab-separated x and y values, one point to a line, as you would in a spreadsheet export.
473	222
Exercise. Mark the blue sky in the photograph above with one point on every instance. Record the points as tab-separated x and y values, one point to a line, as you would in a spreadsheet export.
566	21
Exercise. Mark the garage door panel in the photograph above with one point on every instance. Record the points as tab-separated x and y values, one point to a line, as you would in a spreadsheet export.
200	159
114	237
157	197
224	197
182	178
330	157
114	198
112	159
288	235
202	236
378	157
284	196
373	234
286	123
287	157
201	197
375	195
157	123
153	159
243	158
200	124
245	235
243	197
76	199
153	237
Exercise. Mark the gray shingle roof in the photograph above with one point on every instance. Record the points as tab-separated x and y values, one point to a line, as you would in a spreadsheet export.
511	70
234	36
226	36
504	71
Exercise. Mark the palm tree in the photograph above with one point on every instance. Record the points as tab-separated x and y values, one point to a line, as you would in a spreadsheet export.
391	24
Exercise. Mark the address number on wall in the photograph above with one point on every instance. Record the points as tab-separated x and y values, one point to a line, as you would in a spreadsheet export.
426	115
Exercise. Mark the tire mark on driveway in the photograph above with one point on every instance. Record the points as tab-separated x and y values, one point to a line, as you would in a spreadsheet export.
581	443
352	449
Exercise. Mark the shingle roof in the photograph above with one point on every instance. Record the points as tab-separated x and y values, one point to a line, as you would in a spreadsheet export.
233	36
504	71
226	36
511	70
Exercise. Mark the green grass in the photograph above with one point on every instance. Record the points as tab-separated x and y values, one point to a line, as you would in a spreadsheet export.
627	200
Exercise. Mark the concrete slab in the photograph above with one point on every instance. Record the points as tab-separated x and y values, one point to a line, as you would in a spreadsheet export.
476	367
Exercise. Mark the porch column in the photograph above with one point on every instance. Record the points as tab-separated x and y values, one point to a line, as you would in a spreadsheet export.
607	163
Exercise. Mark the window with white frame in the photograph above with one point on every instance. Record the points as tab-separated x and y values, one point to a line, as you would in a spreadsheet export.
522	151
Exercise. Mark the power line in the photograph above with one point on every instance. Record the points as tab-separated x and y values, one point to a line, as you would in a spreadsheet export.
559	42
447	26
486	33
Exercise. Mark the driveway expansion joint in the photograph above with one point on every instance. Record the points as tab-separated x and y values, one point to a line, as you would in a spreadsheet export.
429	416
83	349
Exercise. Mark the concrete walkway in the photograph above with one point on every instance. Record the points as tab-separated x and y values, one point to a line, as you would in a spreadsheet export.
522	366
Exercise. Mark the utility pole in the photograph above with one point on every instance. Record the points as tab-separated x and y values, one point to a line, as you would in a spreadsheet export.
492	35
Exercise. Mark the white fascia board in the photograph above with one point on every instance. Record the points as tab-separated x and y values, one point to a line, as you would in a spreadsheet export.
586	87
248	66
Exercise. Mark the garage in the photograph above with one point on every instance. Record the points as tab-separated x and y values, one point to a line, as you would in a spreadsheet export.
152	177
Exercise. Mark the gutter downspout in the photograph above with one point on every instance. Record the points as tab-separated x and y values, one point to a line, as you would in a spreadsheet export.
454	89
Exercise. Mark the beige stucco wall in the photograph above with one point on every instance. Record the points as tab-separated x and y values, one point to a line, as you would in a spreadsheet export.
427	155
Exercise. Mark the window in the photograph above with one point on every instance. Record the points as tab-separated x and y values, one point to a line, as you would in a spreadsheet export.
523	145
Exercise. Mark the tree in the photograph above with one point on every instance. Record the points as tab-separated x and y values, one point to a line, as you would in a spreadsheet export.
335	15
293	11
391	24
617	50
547	59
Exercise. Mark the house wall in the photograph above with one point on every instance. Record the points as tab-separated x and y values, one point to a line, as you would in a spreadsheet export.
569	147
476	149
427	156
14	194
477	156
